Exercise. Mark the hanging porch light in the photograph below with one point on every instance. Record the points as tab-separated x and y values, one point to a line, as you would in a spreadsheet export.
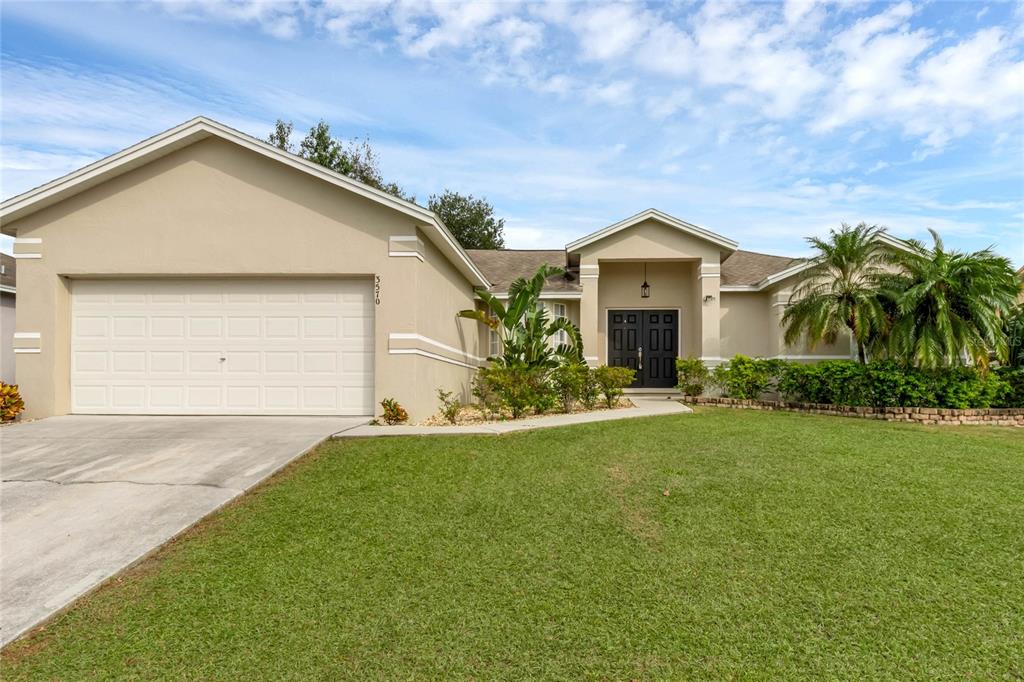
645	288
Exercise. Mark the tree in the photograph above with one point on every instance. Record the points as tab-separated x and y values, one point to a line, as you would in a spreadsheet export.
471	220
524	327
840	290
355	158
281	136
950	305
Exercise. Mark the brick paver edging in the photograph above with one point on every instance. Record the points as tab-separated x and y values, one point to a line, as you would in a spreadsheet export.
1011	416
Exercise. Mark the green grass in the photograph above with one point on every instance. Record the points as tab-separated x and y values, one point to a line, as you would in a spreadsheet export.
789	546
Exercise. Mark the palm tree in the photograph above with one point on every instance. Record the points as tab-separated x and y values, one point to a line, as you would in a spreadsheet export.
840	290
950	305
524	327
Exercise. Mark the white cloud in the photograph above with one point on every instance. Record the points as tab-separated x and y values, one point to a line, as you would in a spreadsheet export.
278	18
663	105
615	93
609	31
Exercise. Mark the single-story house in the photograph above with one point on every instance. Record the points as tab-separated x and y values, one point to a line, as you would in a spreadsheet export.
203	271
8	290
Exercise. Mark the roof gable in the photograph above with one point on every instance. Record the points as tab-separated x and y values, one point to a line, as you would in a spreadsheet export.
665	219
200	128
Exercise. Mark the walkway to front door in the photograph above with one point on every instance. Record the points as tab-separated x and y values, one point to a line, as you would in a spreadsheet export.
647	341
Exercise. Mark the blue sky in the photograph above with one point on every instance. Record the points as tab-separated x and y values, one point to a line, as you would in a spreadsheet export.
765	122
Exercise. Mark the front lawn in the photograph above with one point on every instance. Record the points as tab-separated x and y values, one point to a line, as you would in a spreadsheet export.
788	546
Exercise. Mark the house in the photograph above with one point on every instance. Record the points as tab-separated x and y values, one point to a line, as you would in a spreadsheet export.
8	279
203	271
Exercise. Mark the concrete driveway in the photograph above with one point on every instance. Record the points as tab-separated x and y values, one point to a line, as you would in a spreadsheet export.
82	497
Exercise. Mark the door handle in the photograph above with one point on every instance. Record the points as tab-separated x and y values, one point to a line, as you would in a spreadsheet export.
640	358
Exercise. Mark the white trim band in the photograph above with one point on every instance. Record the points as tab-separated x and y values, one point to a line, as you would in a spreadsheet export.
406	336
428	354
19	256
28	350
406	254
26	335
28	240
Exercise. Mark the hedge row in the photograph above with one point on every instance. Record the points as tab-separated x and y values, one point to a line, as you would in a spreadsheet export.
875	384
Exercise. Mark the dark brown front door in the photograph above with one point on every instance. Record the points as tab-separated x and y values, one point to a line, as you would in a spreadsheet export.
646	341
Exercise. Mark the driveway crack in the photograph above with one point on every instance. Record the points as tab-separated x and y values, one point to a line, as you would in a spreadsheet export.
150	483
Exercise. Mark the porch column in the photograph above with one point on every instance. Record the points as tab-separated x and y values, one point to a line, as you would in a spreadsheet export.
708	281
589	313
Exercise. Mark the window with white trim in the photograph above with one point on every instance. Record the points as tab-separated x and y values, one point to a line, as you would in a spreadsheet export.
558	311
493	344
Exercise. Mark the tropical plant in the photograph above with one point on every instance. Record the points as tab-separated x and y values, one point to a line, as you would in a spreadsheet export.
950	305
393	412
524	326
1013	327
611	381
839	290
11	403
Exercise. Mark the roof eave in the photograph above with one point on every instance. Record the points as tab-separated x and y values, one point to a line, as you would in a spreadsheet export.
199	128
690	228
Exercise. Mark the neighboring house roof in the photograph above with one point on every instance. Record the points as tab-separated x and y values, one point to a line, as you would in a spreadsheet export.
200	128
8	273
504	266
663	218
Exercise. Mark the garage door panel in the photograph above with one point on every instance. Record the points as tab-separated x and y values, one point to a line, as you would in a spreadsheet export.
271	346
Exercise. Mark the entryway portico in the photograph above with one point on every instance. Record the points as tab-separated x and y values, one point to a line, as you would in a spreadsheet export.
681	265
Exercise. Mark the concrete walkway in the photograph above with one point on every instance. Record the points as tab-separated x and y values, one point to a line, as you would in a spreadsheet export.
83	497
645	406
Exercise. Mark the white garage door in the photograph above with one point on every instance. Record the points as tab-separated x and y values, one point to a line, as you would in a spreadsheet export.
222	346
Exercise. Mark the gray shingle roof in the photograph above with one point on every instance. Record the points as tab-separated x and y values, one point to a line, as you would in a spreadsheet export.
749	267
502	267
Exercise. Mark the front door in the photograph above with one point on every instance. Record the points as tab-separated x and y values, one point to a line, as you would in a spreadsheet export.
646	341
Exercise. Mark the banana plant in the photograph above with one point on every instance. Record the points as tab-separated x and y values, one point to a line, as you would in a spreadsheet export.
524	326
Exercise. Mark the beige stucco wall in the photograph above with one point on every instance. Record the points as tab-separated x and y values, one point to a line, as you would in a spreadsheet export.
746	328
214	208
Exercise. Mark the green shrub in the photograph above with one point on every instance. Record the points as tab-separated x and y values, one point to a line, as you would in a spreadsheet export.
693	376
590	391
393	412
746	378
450	405
570	381
1013	381
967	388
611	381
516	388
11	403
885	383
485	391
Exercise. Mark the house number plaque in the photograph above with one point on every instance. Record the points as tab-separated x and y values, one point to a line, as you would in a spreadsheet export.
376	289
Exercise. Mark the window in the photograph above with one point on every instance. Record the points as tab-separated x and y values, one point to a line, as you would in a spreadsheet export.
558	312
493	343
